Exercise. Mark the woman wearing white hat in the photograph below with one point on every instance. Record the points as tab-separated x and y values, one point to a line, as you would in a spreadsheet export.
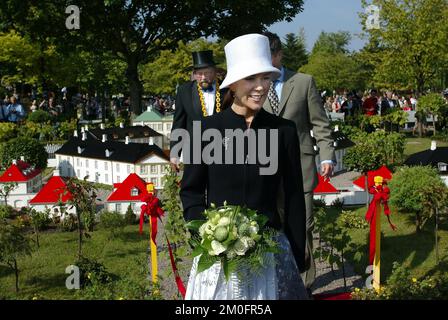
250	72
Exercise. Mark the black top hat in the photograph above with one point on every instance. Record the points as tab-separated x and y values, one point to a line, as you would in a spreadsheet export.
203	59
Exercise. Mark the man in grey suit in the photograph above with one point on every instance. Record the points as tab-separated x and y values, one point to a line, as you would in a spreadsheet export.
294	96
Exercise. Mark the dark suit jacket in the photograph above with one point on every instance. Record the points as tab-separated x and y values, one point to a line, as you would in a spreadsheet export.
242	184
188	107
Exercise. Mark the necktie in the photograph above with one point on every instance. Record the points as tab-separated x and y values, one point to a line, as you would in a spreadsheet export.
208	89
273	98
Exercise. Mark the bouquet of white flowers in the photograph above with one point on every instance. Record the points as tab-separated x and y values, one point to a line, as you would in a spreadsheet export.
236	236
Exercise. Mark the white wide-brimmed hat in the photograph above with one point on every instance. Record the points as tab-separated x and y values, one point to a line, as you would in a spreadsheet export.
247	55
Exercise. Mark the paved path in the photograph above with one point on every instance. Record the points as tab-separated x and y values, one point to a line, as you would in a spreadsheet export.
328	282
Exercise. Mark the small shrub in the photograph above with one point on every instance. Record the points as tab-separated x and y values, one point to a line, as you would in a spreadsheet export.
69	223
39	116
92	271
338	203
130	217
112	221
402	286
6	212
348	219
319	203
40	220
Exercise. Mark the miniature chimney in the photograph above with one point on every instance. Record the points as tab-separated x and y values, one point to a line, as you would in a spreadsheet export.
84	136
86	127
104	138
433	145
149	109
151	141
75	133
22	158
14	161
82	130
336	128
121	125
79	150
108	153
312	133
102	126
127	140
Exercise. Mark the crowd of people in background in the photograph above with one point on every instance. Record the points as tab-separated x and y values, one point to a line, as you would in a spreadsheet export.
11	110
369	103
89	107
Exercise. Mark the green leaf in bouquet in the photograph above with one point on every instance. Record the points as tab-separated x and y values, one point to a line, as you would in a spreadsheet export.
207	244
197	251
262	220
195	225
205	262
225	267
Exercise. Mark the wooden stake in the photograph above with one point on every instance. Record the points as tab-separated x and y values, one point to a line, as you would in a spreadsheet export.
153	255
377	259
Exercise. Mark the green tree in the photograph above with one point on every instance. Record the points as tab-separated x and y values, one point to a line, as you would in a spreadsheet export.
433	105
8	131
39	220
332	42
294	51
136	31
30	148
18	59
412	42
6	189
83	200
334	71
13	244
419	191
172	68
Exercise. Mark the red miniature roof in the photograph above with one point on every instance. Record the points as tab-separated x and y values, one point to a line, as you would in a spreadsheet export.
324	186
53	190
123	190
19	172
383	172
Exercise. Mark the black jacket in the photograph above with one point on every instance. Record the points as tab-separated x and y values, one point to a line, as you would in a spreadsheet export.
188	107
242	184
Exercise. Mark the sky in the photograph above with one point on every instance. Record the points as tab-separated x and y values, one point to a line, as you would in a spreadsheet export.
325	15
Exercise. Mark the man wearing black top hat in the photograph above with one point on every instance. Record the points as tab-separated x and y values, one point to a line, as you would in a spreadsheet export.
198	98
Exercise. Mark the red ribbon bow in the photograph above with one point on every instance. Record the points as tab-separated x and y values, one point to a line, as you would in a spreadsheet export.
152	209
380	195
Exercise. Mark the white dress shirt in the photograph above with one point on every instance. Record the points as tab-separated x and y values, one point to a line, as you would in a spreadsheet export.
209	100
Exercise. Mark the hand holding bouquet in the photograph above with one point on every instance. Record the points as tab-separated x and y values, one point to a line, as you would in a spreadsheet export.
235	236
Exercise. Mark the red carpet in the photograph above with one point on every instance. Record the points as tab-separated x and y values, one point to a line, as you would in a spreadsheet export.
333	296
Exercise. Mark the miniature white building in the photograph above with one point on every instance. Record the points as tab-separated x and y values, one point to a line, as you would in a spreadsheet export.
110	162
53	196
160	123
129	192
28	179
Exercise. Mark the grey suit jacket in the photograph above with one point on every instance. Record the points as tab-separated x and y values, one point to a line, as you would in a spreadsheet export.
300	102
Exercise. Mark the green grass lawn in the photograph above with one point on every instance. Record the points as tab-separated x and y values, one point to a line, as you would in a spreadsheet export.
44	274
413	250
414	145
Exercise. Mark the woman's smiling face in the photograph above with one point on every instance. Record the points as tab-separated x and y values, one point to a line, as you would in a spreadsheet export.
251	92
